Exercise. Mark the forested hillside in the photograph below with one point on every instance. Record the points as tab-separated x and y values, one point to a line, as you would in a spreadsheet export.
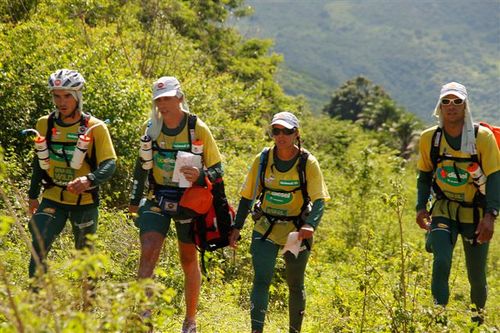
368	272
409	47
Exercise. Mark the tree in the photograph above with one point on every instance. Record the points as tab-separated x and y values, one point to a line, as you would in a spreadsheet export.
350	100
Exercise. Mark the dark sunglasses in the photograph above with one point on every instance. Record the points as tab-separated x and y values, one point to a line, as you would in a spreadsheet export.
287	131
448	101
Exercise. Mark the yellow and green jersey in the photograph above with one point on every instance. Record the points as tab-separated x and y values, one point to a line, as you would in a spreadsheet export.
62	147
164	155
452	176
282	195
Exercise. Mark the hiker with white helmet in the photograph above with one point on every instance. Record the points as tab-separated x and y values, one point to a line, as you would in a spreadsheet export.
171	131
459	162
287	186
72	171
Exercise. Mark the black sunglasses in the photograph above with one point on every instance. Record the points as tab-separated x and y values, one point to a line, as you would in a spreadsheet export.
287	131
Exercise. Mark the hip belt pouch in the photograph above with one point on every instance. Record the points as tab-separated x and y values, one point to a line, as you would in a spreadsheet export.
168	199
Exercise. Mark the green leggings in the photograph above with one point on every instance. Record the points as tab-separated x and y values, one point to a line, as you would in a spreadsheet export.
264	255
49	221
443	237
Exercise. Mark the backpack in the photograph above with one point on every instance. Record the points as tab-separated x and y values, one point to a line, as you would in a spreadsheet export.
47	181
479	199
211	231
299	220
494	129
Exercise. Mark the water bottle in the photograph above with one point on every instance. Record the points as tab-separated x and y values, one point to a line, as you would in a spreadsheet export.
197	147
42	152
477	175
146	152
82	145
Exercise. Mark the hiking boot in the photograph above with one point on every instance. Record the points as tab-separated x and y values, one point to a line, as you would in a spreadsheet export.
478	319
188	326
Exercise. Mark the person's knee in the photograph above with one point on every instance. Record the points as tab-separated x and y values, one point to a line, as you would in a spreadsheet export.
151	244
188	257
442	265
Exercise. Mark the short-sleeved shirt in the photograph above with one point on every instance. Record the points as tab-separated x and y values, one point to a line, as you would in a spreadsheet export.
459	188
59	170
165	158
277	201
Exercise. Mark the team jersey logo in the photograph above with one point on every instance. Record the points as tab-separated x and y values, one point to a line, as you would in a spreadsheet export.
449	176
278	198
285	182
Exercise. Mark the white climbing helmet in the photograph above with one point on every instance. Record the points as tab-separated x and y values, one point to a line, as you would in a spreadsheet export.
66	79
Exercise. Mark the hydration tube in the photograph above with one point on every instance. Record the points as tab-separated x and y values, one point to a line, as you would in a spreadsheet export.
42	151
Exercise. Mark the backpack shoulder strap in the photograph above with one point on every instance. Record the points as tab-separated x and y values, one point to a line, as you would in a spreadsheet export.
191	123
264	159
475	157
50	126
264	156
435	143
304	155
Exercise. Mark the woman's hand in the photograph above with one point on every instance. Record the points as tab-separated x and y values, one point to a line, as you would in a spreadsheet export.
191	173
306	232
233	238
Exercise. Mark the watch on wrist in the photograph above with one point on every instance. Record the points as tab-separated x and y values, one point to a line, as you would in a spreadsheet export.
91	178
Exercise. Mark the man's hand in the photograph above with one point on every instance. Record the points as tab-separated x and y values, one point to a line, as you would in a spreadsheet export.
133	209
485	228
33	206
424	219
79	185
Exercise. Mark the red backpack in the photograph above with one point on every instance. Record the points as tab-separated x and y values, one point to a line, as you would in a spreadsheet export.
494	129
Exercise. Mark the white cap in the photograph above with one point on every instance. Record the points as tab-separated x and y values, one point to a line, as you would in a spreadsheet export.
166	86
286	119
453	88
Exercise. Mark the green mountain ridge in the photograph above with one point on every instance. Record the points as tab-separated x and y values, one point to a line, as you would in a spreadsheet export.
410	48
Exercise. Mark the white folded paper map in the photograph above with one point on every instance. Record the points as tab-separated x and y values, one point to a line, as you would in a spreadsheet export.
185	159
292	244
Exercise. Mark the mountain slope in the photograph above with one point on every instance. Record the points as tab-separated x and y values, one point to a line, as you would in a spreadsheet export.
410	48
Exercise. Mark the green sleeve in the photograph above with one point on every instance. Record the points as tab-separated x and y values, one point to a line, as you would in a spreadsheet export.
104	171
493	191
36	180
138	183
424	183
244	208
213	172
316	213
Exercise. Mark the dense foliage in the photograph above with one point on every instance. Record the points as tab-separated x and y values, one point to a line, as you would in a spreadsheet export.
367	104
409	47
368	271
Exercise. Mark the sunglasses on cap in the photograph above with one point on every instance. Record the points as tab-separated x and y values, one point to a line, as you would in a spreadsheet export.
287	131
449	101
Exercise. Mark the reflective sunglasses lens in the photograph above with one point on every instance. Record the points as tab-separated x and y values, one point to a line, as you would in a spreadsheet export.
445	101
458	101
286	131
